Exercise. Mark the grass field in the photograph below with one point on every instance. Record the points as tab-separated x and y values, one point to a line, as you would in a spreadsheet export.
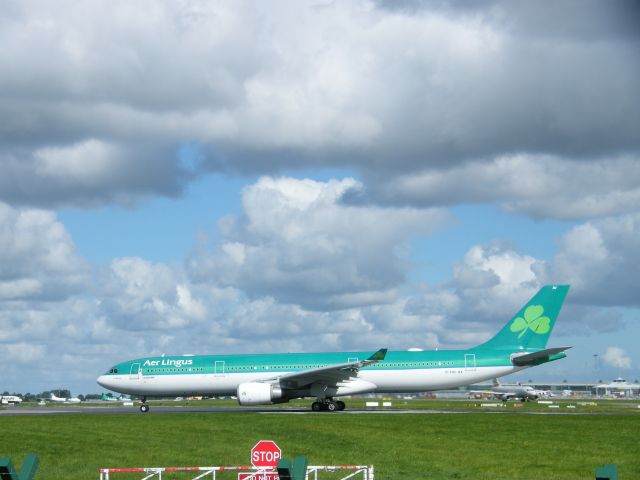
401	446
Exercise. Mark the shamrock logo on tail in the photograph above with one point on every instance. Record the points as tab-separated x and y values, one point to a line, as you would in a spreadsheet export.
533	320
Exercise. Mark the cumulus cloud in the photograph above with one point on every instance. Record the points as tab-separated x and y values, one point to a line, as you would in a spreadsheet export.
297	243
143	295
540	186
99	98
37	256
488	286
616	357
596	257
493	281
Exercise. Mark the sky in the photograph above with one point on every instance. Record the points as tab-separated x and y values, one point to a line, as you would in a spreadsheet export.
225	177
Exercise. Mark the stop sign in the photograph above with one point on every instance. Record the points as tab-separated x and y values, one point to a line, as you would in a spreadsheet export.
265	454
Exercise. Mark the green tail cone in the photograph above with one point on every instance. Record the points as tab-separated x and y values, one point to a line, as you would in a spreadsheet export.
531	327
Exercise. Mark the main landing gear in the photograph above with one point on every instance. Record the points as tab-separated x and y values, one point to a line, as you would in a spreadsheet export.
327	405
144	408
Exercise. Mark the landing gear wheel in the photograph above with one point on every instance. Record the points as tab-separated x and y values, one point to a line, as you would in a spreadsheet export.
331	406
316	406
340	404
144	408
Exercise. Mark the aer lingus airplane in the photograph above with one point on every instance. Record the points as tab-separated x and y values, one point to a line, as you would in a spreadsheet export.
259	379
107	398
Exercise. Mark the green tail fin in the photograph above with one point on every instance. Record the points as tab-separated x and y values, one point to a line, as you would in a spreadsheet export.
531	327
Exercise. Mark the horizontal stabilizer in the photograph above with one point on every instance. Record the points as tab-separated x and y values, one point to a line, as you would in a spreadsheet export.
536	357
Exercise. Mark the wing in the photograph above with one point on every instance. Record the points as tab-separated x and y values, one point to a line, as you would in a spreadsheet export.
330	376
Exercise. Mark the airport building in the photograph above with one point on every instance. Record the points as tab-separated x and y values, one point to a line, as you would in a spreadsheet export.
618	388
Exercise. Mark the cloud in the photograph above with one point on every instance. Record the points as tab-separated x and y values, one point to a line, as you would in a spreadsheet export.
539	186
616	357
140	295
90	172
297	243
22	353
493	281
39	260
595	257
488	286
99	99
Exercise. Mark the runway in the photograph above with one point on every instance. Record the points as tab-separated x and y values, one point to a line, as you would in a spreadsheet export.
165	410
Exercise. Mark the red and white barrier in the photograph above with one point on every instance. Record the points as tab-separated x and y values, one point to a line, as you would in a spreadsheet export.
356	472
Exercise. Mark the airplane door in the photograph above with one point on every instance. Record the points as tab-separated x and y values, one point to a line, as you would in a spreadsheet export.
470	361
218	367
134	374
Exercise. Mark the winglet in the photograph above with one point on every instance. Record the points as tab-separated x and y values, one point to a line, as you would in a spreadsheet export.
379	355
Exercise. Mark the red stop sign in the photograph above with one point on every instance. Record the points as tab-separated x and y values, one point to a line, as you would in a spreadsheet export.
265	454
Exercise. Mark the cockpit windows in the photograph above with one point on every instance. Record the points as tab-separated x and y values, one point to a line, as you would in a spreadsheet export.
113	370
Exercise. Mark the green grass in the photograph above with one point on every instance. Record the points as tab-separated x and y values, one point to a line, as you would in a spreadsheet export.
401	446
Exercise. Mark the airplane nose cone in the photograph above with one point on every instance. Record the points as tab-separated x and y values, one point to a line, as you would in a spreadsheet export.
104	381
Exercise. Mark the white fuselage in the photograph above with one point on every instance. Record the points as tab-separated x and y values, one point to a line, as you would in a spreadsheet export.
53	398
5	399
367	381
514	391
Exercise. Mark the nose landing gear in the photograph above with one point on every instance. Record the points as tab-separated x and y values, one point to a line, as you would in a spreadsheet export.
144	408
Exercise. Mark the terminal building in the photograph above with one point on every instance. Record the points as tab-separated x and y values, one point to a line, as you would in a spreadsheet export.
618	387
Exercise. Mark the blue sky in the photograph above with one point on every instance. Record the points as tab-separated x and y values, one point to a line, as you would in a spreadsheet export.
237	177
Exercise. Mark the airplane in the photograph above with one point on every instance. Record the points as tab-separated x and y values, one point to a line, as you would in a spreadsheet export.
6	399
107	398
53	398
261	379
506	392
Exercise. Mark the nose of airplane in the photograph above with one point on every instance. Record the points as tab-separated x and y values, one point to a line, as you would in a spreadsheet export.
105	381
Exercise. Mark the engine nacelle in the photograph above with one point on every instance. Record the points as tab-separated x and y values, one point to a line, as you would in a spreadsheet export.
256	393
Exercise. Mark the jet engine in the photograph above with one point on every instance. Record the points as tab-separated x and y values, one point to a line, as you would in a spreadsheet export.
256	393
